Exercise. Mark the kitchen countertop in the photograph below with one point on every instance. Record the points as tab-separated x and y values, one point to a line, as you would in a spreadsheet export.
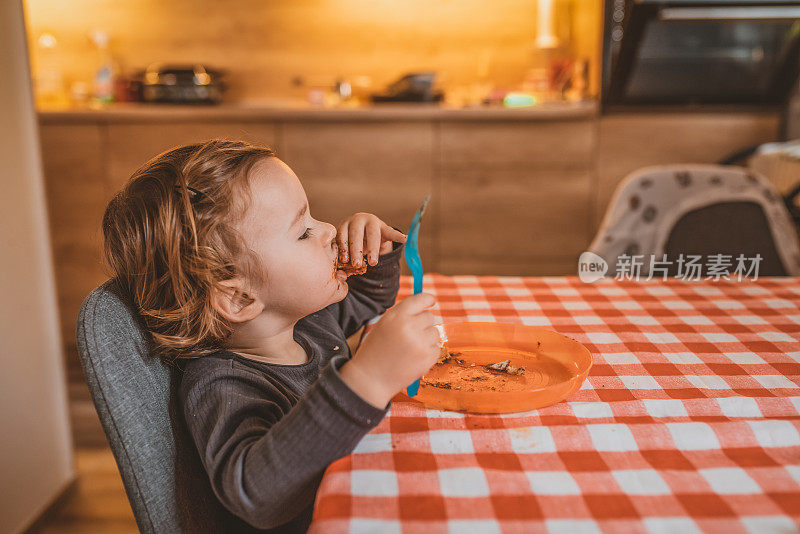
259	111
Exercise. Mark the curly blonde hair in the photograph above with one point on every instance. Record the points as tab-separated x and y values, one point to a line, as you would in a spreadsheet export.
170	238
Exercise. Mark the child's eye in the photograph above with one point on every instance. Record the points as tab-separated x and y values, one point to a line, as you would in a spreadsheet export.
306	234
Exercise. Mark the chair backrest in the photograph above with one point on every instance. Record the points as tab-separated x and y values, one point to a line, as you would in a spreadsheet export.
698	210
731	227
135	396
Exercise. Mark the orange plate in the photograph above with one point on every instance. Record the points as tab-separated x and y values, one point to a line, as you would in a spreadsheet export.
555	367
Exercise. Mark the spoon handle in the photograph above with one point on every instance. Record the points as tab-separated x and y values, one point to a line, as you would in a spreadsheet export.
415	264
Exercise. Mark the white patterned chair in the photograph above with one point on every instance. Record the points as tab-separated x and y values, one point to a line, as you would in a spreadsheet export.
696	210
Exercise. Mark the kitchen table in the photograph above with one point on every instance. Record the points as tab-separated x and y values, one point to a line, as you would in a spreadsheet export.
689	420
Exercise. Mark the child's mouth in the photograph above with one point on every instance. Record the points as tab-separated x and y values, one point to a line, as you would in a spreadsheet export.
338	273
343	270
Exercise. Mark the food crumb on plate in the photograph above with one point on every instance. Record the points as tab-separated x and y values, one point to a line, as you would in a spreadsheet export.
506	367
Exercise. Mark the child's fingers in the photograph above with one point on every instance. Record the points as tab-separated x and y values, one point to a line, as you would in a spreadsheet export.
355	234
386	247
342	237
372	239
390	234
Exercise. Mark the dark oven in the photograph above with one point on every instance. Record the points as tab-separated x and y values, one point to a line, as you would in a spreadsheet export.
700	52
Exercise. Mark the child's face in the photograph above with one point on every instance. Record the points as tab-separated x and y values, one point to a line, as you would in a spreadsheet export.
297	252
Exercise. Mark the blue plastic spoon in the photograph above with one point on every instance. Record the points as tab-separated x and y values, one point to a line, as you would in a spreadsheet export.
415	264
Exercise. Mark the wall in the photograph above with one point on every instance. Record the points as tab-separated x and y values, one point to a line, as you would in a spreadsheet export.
35	448
265	44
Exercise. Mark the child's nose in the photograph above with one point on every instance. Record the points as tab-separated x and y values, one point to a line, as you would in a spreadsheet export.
331	234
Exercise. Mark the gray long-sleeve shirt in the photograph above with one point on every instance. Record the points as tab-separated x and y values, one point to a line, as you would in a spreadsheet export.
266	432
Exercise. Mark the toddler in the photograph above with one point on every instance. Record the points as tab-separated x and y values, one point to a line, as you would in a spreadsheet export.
215	245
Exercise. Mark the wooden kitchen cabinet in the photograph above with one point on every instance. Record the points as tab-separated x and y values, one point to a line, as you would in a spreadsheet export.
131	145
503	144
515	197
375	167
514	192
76	198
516	221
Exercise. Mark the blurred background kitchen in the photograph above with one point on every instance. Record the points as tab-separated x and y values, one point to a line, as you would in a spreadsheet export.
520	117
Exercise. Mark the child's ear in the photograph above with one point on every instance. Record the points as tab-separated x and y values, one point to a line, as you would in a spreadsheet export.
231	300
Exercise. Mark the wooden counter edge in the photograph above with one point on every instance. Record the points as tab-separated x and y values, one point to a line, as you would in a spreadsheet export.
144	113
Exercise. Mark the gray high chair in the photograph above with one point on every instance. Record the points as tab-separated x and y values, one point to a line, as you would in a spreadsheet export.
135	396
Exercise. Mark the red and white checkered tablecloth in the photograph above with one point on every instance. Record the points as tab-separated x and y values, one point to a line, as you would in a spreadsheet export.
689	420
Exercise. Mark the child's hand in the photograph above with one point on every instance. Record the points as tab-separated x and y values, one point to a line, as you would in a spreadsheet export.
364	235
400	348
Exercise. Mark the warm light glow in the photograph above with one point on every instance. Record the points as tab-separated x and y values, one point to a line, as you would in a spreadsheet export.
287	50
545	34
47	40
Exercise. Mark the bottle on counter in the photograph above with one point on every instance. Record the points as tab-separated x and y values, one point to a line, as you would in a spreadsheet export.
79	93
551	63
48	78
106	71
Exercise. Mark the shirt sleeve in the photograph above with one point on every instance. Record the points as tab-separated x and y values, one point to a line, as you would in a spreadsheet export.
371	293
264	456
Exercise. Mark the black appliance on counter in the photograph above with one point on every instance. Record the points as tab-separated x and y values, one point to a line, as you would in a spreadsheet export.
700	52
182	84
413	87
